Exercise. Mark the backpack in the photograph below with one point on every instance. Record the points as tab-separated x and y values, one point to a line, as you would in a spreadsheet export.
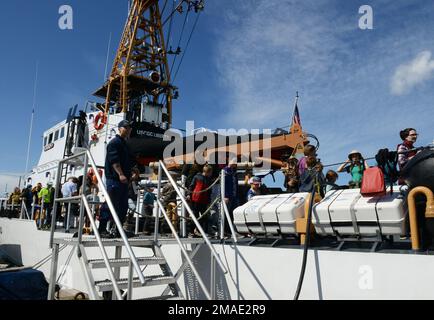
387	162
373	183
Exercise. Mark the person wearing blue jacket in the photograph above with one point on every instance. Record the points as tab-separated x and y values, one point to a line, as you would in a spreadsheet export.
118	171
231	189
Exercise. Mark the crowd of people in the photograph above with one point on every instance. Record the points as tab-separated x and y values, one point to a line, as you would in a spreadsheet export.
202	187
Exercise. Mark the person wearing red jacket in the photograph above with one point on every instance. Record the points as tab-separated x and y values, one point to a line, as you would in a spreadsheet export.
200	195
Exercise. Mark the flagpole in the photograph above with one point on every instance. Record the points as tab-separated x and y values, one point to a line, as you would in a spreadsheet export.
295	106
32	118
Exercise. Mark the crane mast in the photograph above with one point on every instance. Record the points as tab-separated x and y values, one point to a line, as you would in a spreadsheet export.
140	75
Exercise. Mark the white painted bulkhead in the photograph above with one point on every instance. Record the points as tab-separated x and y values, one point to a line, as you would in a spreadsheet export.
254	272
53	146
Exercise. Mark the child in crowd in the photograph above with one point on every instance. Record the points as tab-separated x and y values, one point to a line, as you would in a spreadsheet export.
309	151
331	178
290	170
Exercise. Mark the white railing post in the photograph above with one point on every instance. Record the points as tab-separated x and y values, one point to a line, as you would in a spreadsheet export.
198	226
57	188
68	217
222	214
102	249
22	209
41	211
157	216
139	206
84	187
184	252
183	212
33	207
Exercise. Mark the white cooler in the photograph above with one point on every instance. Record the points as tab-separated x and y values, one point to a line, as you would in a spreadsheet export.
349	213
270	214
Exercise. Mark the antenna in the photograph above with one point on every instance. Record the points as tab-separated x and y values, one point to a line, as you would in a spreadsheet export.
107	59
32	117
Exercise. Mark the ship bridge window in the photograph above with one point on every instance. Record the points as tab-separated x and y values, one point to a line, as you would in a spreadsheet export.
45	140
56	135
50	138
62	133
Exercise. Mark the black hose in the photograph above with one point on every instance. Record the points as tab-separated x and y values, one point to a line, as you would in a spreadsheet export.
306	244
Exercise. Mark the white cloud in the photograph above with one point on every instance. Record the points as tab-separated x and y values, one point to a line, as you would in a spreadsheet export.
409	75
270	49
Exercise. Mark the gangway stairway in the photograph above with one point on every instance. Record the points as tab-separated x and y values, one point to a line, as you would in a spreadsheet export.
106	289
126	270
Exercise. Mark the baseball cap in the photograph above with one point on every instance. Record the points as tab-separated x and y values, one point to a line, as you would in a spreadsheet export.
124	124
255	180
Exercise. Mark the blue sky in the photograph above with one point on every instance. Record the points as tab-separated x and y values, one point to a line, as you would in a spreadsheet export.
247	58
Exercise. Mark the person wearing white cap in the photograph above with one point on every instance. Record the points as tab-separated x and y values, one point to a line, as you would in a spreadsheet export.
355	165
255	187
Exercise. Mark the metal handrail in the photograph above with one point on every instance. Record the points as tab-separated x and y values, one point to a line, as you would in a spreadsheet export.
89	160
102	249
184	252
69	199
225	211
198	226
116	220
228	217
24	210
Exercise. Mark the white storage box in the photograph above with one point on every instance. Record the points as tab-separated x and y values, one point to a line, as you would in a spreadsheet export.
270	214
347	212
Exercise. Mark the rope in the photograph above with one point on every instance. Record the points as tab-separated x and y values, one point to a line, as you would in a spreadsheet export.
373	158
202	191
40	263
68	260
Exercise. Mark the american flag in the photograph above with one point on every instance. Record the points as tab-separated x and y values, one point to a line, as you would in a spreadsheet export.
296	116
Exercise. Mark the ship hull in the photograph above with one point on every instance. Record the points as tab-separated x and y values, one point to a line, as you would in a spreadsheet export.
255	272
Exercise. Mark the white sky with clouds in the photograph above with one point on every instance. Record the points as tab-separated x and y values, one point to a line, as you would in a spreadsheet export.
358	88
247	59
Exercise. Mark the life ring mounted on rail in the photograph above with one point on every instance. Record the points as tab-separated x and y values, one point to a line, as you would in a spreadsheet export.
100	121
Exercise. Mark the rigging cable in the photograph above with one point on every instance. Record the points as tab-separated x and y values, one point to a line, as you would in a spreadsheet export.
170	26
180	40
173	12
186	47
164	7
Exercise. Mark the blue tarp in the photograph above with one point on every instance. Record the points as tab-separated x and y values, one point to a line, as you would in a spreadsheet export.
25	284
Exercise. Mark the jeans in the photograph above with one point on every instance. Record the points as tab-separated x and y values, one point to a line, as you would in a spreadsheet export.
118	193
198	209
